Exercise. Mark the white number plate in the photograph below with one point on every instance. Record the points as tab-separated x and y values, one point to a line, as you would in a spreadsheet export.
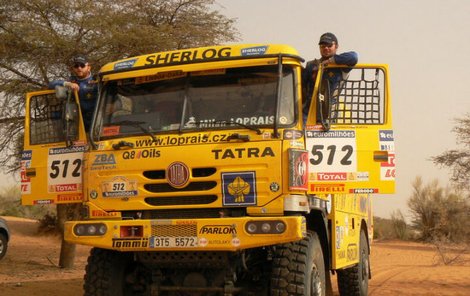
173	242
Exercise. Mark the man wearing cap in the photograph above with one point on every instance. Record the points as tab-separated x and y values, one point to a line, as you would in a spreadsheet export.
81	81
328	45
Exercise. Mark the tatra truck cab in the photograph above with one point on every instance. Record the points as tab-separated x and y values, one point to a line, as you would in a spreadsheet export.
201	176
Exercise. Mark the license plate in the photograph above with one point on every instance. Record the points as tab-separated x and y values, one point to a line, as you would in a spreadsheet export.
173	242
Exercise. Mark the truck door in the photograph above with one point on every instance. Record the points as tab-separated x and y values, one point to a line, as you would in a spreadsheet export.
349	132
54	145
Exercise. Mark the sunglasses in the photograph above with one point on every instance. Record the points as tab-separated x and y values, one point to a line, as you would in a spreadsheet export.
326	45
79	65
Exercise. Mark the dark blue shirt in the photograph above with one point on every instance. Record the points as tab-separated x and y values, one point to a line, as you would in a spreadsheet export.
333	76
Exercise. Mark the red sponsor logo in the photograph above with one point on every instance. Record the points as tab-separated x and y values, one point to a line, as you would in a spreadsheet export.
111	130
69	197
328	188
98	213
24	178
65	187
332	176
390	162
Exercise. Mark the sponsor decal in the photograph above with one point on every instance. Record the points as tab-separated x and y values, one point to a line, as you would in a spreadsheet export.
27	155
352	252
387	169
203	242
64	171
243	153
119	187
182	140
124	64
298	169
364	190
25	164
386	135
109	131
253	120
43	202
251	51
187	56
103	161
332	152
327	188
65	187
235	242
218	229
239	189
64	198
293	134
145	153
65	150
208	72
160	76
127	243
339	236
100	213
332	176
177	174
386	141
330	134
358	176
26	188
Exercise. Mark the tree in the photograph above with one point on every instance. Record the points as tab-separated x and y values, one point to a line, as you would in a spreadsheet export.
39	37
439	214
458	160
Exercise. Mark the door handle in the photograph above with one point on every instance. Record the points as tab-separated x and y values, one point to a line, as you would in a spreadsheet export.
381	156
31	172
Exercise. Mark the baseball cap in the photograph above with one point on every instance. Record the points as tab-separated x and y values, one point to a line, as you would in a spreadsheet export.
79	59
328	38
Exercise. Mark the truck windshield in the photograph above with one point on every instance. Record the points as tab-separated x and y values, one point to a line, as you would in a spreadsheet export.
182	101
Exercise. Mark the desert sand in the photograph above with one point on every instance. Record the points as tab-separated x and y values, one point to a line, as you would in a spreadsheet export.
398	268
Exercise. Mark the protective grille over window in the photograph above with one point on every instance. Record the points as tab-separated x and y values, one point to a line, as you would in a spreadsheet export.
46	119
358	98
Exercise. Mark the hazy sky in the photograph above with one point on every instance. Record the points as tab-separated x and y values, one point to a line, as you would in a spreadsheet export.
425	42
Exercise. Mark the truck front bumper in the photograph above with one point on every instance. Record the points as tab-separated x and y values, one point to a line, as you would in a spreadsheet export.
221	234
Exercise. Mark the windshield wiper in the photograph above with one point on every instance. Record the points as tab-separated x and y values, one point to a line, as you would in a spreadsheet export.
231	122
137	124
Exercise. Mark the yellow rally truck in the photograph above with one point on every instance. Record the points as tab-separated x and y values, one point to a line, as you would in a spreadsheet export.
198	175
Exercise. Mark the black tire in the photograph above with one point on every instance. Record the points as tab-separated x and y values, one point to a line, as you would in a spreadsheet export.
354	281
3	245
107	273
299	268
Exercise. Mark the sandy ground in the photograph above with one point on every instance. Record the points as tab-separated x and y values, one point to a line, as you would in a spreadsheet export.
398	268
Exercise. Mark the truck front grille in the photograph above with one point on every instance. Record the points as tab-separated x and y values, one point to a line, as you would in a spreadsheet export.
181	200
193	186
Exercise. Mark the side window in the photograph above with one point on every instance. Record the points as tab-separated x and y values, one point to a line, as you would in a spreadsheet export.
46	120
355	96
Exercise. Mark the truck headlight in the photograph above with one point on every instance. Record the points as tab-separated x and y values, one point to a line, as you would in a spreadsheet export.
92	229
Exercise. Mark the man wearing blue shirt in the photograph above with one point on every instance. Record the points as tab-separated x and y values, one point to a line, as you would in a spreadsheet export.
328	45
82	81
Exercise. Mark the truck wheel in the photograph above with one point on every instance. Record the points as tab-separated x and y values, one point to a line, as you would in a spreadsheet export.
298	268
3	245
108	272
354	281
